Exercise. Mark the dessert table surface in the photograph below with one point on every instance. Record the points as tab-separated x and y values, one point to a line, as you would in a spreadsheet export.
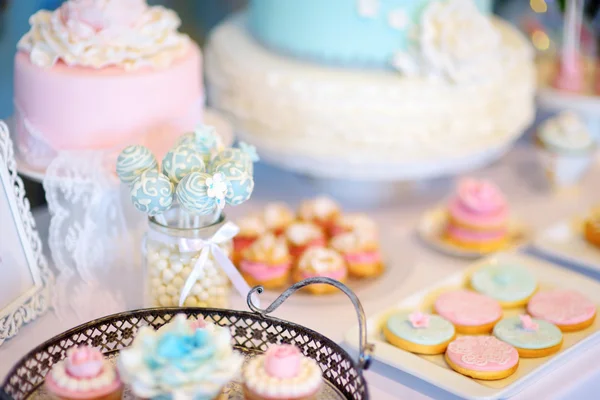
397	209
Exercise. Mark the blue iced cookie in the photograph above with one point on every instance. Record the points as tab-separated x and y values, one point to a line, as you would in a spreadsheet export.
419	333
531	337
511	285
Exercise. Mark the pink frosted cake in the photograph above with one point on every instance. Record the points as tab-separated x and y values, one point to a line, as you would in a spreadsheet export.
84	375
478	217
282	373
101	74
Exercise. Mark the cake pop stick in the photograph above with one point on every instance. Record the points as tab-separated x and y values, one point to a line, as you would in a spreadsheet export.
134	160
152	193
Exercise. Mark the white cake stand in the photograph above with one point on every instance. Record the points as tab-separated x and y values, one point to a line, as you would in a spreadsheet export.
327	168
211	117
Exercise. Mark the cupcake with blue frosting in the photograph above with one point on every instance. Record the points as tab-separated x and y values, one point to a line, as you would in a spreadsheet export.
183	359
566	148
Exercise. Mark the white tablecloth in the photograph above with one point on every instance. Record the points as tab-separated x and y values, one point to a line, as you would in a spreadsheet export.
517	174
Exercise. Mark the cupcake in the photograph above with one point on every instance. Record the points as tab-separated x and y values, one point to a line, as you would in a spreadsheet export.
361	253
251	228
84	374
478	217
354	222
322	210
282	373
321	261
267	262
592	228
278	216
302	235
565	148
183	359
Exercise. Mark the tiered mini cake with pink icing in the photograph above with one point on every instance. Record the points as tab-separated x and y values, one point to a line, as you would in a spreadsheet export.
282	373
478	217
101	74
83	375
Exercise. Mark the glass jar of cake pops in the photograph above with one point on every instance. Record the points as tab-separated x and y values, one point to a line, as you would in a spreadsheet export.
168	264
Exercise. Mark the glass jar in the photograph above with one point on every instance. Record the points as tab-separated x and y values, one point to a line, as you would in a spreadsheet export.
167	267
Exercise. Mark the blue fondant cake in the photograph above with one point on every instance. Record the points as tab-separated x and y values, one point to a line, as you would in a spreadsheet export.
353	32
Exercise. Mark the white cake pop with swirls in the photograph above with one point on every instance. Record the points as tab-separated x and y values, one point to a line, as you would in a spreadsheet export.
134	160
201	193
152	193
180	161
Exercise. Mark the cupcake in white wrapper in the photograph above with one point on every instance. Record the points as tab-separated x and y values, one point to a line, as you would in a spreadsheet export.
565	148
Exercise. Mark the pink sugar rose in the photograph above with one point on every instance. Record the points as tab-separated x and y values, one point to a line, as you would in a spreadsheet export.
85	16
200	323
480	195
528	324
283	361
84	362
419	320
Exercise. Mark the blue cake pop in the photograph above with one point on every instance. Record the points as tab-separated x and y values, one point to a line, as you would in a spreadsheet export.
204	140
180	161
152	193
201	193
134	160
245	154
239	175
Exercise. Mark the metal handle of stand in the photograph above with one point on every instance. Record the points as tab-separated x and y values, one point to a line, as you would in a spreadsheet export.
365	349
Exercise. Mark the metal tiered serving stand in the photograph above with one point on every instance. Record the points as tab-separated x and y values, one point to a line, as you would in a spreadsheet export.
252	333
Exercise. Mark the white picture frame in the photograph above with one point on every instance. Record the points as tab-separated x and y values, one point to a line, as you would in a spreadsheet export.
25	279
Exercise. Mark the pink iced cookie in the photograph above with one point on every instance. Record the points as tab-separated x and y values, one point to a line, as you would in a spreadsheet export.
482	357
470	312
567	309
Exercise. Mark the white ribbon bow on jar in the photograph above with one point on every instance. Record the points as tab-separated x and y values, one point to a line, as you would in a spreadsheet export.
208	247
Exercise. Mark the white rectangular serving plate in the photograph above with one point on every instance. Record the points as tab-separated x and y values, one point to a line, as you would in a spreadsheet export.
433	369
564	241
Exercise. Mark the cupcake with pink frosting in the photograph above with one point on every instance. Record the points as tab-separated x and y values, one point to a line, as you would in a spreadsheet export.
303	235
278	216
321	210
321	261
282	373
361	252
84	374
478	217
251	228
267	262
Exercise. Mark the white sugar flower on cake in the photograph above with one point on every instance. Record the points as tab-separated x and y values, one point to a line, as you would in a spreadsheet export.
455	42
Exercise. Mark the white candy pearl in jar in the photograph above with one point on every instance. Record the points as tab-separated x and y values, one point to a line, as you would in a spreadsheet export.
167	268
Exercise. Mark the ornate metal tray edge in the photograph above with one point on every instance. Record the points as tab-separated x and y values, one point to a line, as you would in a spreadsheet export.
252	332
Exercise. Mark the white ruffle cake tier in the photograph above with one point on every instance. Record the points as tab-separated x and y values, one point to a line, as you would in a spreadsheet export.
367	124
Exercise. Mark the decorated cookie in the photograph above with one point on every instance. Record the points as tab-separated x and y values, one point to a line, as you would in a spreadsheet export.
83	375
569	310
282	373
531	337
511	285
418	332
470	312
482	357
